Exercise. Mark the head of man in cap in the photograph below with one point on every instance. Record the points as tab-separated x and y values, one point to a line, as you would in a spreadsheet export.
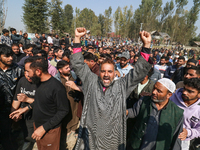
124	59
163	90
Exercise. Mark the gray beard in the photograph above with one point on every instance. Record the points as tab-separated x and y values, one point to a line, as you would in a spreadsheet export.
158	101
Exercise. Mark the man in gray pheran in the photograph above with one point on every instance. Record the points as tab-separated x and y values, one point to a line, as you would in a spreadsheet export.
103	121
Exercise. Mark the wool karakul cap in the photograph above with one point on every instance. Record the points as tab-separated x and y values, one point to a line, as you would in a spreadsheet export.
168	84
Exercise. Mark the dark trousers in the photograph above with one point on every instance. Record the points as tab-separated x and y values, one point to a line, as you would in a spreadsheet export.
5	132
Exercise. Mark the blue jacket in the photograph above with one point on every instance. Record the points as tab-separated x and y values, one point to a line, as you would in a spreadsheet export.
170	71
16	38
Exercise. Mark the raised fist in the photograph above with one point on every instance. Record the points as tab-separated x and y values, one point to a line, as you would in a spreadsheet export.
79	32
146	38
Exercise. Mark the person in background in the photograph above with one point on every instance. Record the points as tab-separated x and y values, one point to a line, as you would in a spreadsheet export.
14	36
58	56
162	66
17	54
179	74
70	122
5	39
43	39
36	40
56	41
10	73
188	99
124	67
24	96
192	72
171	69
24	40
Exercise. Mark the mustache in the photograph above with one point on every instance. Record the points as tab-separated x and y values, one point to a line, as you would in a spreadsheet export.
106	78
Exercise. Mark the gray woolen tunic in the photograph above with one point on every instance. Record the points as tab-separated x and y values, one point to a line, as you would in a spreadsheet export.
103	121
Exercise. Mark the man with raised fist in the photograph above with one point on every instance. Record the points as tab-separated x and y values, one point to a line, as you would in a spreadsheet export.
103	121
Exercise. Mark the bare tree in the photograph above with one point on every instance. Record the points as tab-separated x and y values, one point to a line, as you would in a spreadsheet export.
3	14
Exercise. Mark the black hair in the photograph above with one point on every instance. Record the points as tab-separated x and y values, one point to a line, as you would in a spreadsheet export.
62	64
193	82
40	63
12	29
56	49
107	56
4	31
66	53
29	46
136	56
151	71
167	58
6	50
182	58
88	56
163	57
196	68
29	59
38	51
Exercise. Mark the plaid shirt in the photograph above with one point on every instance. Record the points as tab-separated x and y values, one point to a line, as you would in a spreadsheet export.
6	40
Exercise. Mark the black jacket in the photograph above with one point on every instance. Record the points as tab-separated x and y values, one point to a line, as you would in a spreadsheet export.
8	82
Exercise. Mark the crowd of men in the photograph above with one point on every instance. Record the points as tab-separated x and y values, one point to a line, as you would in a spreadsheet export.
84	94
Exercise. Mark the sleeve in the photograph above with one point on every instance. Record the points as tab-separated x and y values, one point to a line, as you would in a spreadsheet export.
16	38
62	109
176	142
193	132
166	74
18	90
80	68
137	74
133	112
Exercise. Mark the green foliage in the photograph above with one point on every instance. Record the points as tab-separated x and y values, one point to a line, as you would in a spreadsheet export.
57	19
68	17
172	19
101	21
35	15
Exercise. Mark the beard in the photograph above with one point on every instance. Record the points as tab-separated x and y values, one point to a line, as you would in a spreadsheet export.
106	84
159	100
123	65
6	63
185	98
66	74
35	79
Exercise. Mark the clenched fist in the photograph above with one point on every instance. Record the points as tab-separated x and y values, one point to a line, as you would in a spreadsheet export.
79	32
146	38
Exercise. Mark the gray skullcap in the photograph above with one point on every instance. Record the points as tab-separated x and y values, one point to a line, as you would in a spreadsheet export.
125	55
168	84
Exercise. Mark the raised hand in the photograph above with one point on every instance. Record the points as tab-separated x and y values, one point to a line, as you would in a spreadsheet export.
146	38
79	32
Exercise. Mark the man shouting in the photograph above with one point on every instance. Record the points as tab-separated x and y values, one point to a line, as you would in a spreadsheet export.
103	121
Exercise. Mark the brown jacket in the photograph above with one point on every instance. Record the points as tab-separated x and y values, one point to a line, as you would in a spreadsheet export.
72	119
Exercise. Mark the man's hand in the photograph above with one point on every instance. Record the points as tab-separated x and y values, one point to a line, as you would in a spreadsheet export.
183	134
127	112
20	33
146	39
38	133
17	114
21	97
72	85
79	32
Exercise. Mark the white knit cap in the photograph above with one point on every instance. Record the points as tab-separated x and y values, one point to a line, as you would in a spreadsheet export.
168	84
